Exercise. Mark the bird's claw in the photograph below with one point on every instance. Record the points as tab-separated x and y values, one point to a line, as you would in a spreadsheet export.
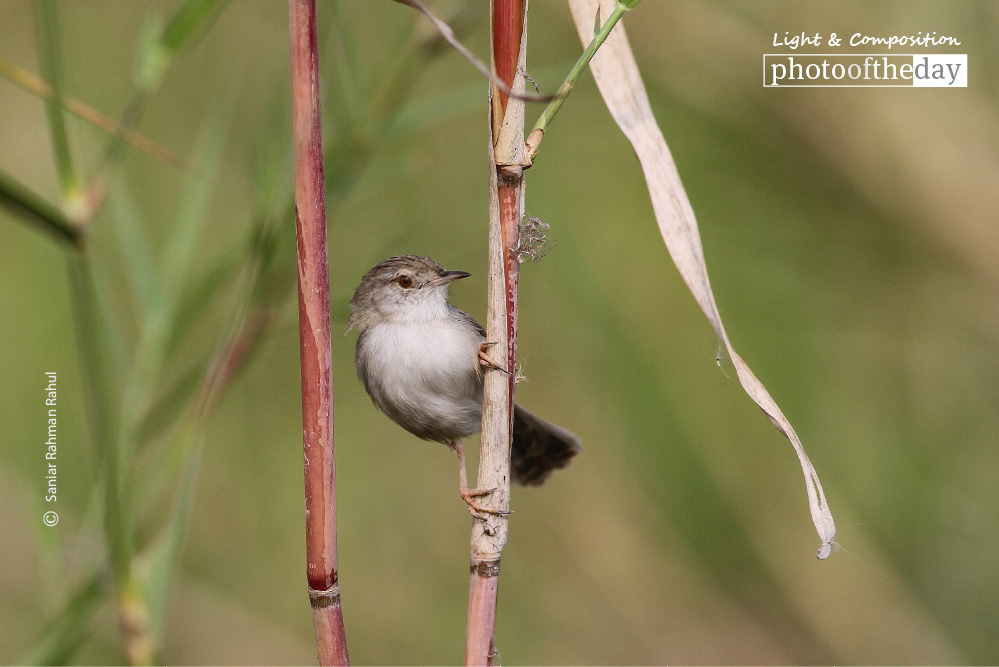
476	510
486	362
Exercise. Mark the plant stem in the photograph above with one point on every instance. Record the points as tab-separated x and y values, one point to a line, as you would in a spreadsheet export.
95	355
95	360
506	209
36	86
314	336
29	206
599	37
50	60
105	422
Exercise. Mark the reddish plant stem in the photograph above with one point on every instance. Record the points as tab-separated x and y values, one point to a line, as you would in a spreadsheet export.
511	194
507	28
506	211
483	587
314	336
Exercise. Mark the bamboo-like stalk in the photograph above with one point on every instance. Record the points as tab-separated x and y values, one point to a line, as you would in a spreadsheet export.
506	209
314	336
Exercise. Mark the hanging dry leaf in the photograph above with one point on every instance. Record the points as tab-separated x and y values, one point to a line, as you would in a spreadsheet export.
620	83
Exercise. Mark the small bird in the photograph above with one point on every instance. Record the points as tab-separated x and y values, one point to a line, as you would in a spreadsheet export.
422	362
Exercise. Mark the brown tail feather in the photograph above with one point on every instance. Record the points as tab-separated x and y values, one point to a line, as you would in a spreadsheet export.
539	448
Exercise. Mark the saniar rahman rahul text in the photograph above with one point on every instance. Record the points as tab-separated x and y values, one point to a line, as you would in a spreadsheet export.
50	443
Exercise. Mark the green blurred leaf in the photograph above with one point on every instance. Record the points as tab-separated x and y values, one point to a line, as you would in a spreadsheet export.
235	346
167	407
202	292
129	231
160	318
436	109
63	636
190	22
273	172
50	57
690	499
159	561
160	47
96	359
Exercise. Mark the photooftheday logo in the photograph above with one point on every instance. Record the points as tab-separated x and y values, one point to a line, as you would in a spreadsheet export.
864	70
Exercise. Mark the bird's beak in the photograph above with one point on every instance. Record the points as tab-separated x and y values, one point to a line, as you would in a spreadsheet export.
446	277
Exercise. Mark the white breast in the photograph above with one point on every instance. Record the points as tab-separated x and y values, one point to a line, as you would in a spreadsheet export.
424	375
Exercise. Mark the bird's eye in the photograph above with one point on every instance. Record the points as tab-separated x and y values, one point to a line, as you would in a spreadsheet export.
404	281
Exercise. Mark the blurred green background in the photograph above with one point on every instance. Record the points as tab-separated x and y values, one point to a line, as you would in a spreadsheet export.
852	241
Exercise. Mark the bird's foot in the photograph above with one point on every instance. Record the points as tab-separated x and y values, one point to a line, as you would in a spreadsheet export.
486	362
475	509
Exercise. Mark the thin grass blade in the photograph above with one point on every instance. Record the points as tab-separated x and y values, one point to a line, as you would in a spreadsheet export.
160	320
50	57
161	47
64	635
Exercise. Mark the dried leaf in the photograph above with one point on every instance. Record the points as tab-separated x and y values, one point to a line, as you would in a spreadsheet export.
620	83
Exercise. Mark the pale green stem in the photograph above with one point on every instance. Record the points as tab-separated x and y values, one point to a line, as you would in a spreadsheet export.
95	361
50	62
599	37
105	422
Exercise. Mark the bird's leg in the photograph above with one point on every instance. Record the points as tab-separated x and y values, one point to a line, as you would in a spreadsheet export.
486	362
467	494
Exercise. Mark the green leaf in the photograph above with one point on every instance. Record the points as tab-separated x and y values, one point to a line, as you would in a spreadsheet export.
160	317
50	57
66	632
159	562
200	294
159	48
96	361
141	270
190	21
169	405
